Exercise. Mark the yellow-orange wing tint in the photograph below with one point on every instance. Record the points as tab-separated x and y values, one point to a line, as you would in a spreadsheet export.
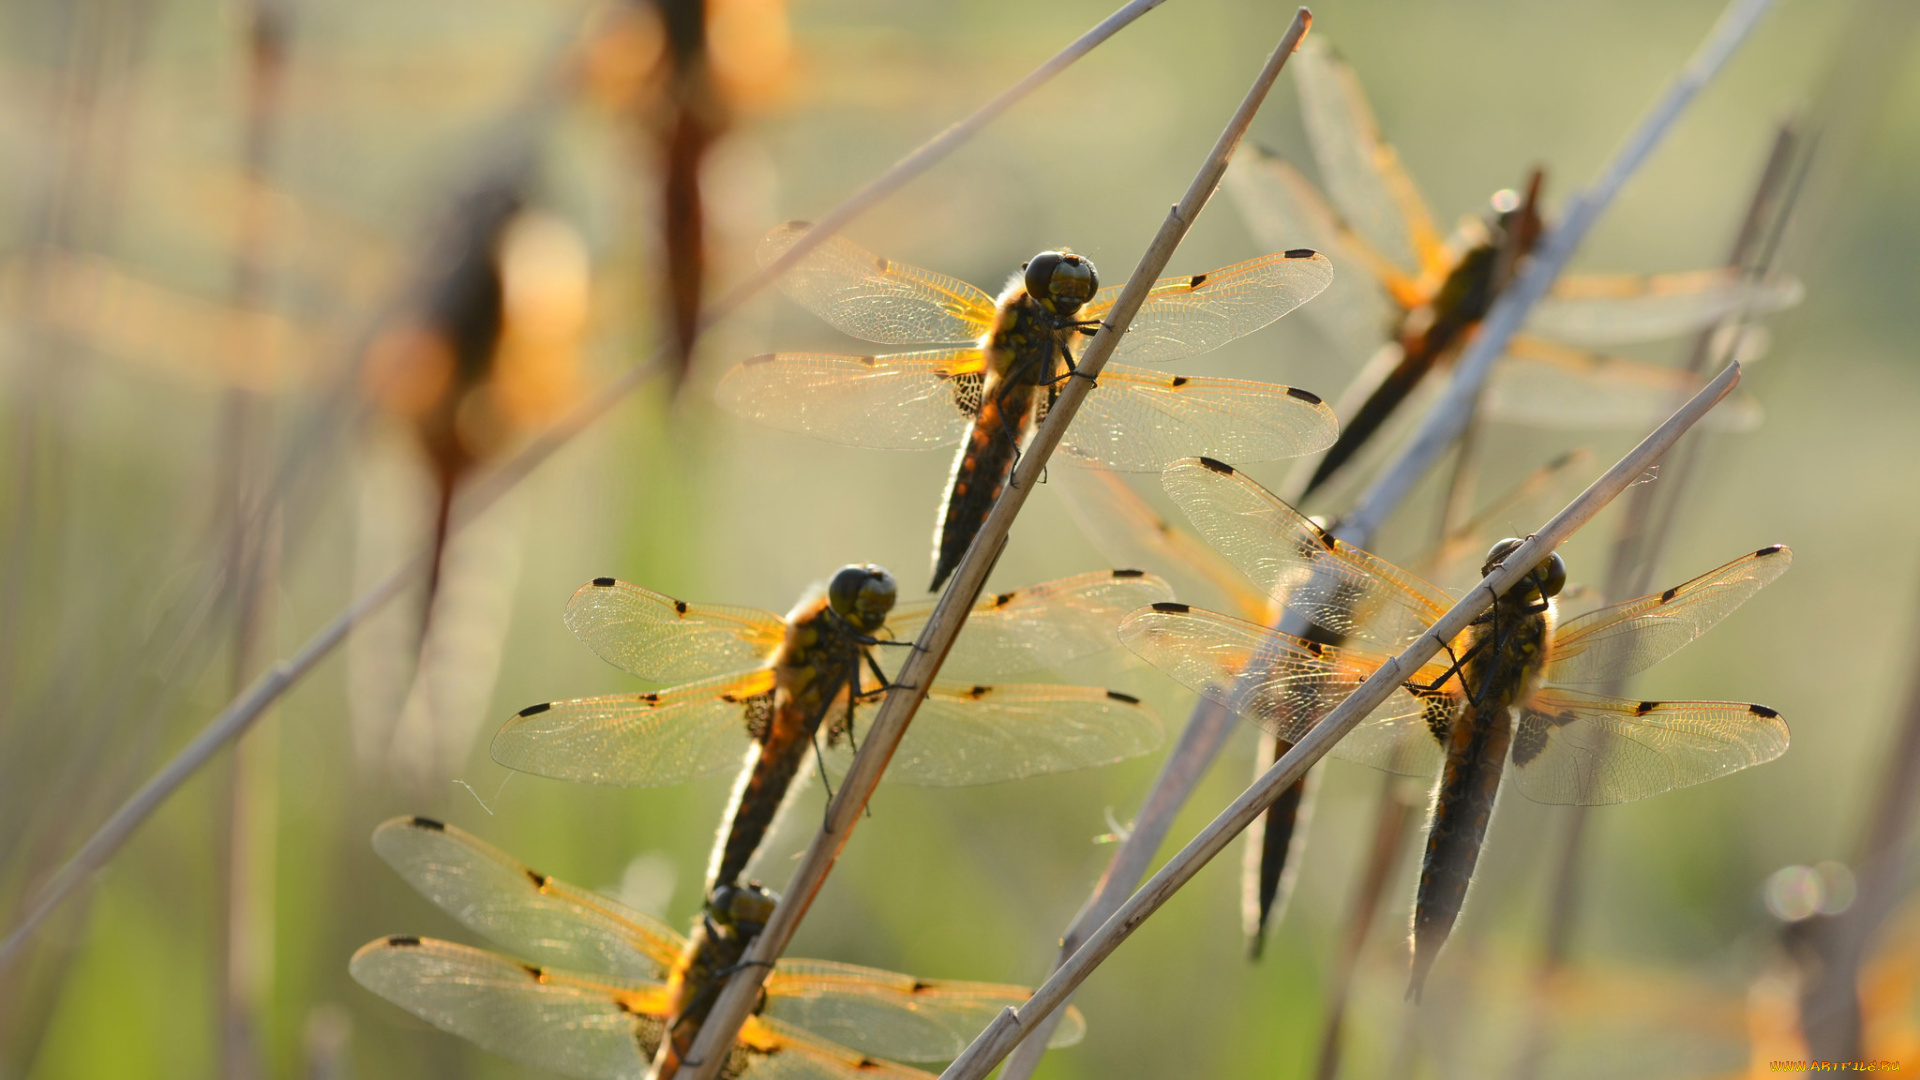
877	299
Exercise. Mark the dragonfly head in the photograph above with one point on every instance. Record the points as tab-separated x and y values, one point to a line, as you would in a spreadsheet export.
1546	579
742	908
862	594
1061	281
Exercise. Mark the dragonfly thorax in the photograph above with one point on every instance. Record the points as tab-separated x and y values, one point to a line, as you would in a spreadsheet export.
1060	281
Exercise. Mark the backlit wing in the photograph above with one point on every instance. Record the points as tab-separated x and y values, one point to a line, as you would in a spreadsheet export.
1286	685
640	740
1282	209
1573	748
776	1051
664	640
1129	532
966	735
904	401
1038	627
876	299
593	1028
891	1015
1142	421
1334	585
1613	309
1623	639
524	911
1359	170
1187	316
1540	382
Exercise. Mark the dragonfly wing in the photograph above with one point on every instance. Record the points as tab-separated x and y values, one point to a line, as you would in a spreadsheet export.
1041	626
572	1025
1623	639
1142	421
892	1015
664	640
1187	316
1613	309
1282	208
1551	385
770	1050
1336	586
965	735
1357	168
1285	684
906	401
525	911
1581	749
877	299
642	740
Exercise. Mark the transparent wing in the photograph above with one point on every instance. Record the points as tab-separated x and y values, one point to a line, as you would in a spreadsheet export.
770	1050
1551	385
1525	501
1359	170
905	401
965	735
1581	749
522	910
1129	532
1141	421
1613	309
1620	640
1282	210
1186	316
641	740
891	1015
1038	627
597	1029
664	640
1286	685
1333	585
876	299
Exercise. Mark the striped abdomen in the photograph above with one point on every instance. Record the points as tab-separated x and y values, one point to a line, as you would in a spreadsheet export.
1476	754
980	471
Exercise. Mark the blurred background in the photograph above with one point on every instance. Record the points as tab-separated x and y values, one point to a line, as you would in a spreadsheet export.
353	254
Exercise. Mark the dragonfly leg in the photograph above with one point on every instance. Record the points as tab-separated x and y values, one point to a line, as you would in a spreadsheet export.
1459	662
885	685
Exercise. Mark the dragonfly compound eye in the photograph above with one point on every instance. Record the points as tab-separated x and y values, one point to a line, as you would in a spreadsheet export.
1061	280
1498	554
1554	571
862	594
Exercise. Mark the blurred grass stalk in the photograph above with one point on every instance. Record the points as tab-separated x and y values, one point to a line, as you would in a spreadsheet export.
1445	423
1646	527
741	994
245	709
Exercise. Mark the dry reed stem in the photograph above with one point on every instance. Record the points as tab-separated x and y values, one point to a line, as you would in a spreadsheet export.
742	992
240	713
1453	411
1012	1025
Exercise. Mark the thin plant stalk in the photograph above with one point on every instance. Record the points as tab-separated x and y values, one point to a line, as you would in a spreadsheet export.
742	992
1012	1025
240	713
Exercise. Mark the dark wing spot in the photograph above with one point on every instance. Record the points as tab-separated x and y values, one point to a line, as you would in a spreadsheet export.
1129	573
679	607
872	360
1177	380
1773	550
1196	281
403	942
622	1006
1529	739
1170	606
651	698
1003	599
427	823
1763	711
539	879
1307	396
1646	707
1669	594
1220	467
881	263
1301	253
1312	646
921	984
535	710
979	692
1118	696
539	974
604	583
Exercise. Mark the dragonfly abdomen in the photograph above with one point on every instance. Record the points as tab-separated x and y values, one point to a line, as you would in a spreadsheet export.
1462	806
980	473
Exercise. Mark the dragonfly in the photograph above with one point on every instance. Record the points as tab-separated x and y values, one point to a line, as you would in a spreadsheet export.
1123	527
1004	360
771	689
1515	684
1424	295
593	987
